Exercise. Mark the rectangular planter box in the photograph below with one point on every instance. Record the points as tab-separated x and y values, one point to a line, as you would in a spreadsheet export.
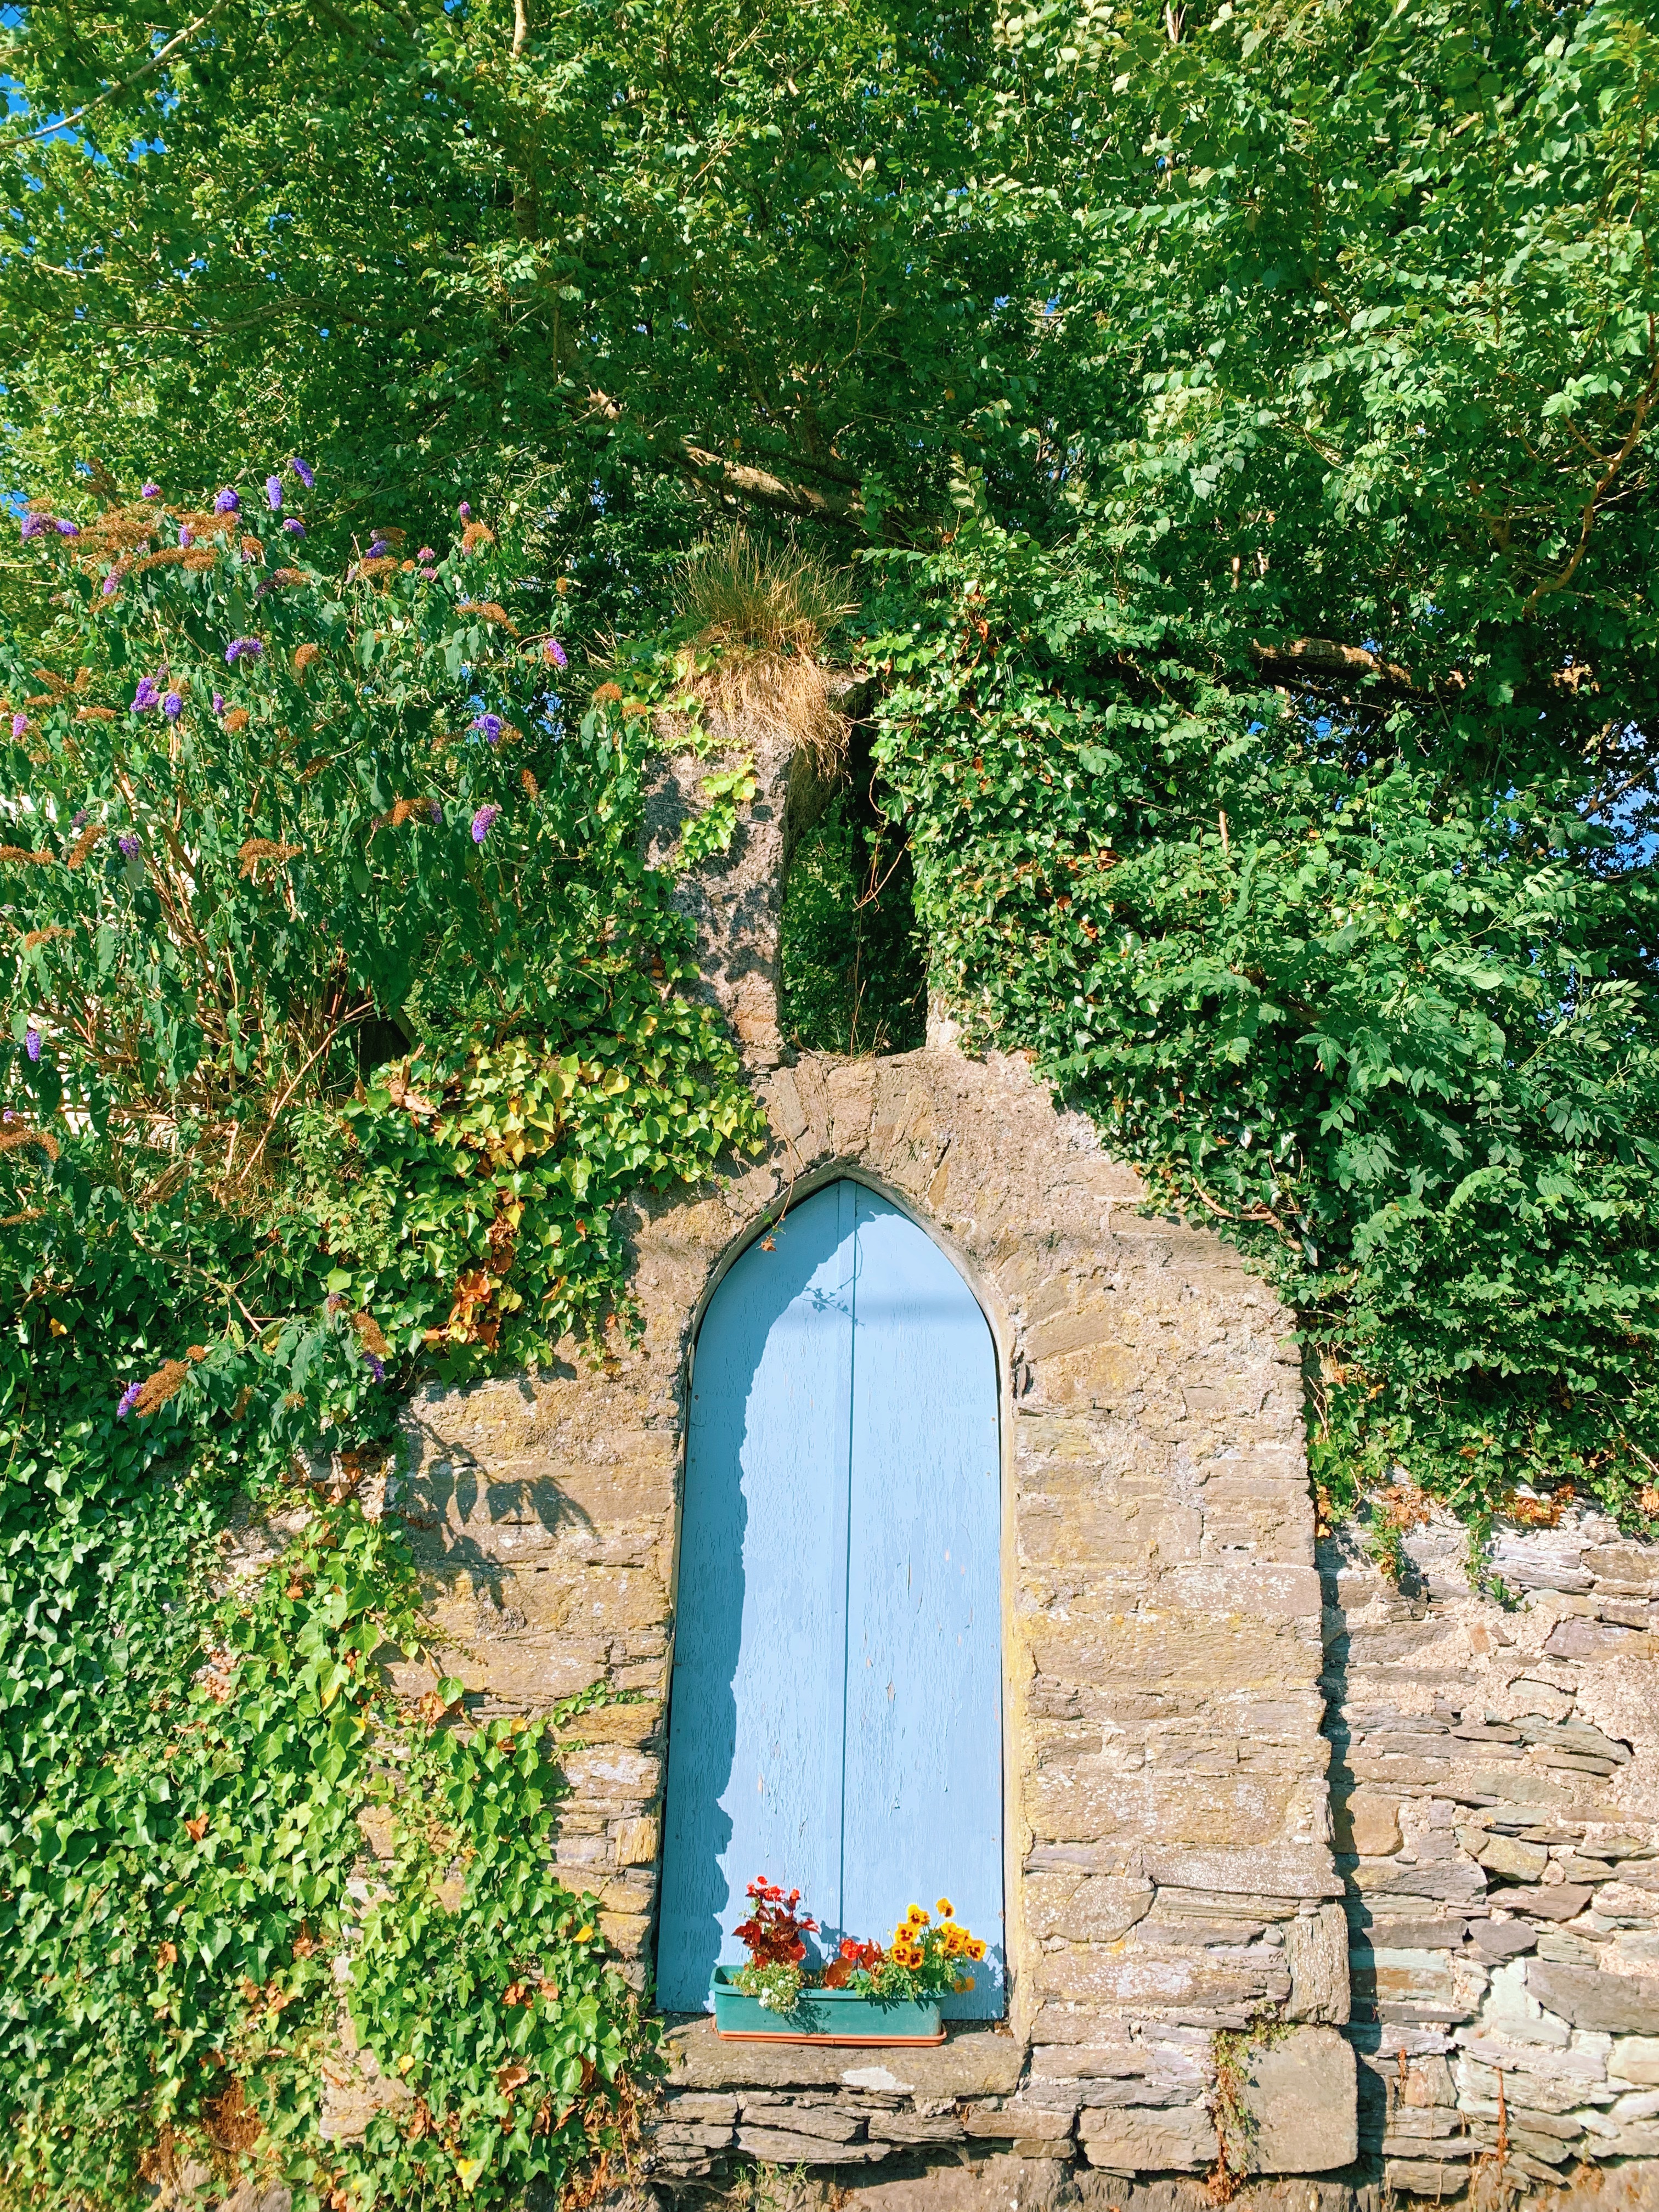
821	2016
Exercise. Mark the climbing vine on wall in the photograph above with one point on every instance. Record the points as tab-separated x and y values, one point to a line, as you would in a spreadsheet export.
343	1019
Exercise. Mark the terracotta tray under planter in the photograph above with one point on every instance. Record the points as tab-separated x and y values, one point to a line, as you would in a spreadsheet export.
821	2016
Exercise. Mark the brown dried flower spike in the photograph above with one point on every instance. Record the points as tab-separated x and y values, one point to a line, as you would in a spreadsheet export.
264	848
488	611
76	857
370	1335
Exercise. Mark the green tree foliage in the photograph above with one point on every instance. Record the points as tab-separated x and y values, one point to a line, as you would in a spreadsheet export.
853	980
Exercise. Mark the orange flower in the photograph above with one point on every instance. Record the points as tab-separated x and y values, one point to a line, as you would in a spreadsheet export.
945	1908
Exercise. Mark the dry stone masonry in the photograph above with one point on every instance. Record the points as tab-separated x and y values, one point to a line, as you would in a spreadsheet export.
1308	1873
1495	1778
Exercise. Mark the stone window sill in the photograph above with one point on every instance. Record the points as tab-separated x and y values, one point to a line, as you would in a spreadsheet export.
978	2058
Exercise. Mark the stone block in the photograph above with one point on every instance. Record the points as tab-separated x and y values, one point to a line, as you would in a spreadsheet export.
1277	1869
613	1771
1565	1901
637	1842
1316	1952
673	2137
704	2108
1085	1908
625	1932
1507	1855
1177	2140
1634	1566
1594	1640
829	2122
1050	2123
915	2128
1635	2058
974	2062
1615	2004
1420	2176
779	2147
1302	2092
1367	1824
1092	1800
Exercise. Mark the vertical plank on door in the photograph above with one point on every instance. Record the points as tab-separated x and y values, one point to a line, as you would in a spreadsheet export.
923	1778
756	1706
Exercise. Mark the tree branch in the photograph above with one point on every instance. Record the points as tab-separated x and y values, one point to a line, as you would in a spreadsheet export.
1323	663
758	487
115	91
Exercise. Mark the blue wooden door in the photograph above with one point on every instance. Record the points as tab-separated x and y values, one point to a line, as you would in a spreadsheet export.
835	1719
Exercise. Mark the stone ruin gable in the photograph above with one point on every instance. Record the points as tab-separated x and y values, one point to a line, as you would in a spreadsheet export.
1170	1868
1495	1779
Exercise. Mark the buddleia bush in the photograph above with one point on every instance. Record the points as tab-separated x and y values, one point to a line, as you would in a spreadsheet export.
342	1017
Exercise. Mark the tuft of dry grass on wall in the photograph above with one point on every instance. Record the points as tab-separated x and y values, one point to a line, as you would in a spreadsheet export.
763	613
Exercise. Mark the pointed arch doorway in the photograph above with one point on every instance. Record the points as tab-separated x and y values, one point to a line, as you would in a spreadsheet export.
836	1717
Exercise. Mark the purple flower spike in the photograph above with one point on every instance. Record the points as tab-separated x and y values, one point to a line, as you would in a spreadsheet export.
431	575
302	470
20	724
557	655
482	822
491	726
112	583
36	525
242	648
465	512
128	1398
146	697
218	702
274	494
77	820
294	526
32	1043
228	503
150	491
426	553
173	706
437	811
66	529
129	844
377	1367
186	536
380	545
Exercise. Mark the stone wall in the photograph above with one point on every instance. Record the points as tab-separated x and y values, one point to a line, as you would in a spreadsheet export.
1495	1775
1169	1870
